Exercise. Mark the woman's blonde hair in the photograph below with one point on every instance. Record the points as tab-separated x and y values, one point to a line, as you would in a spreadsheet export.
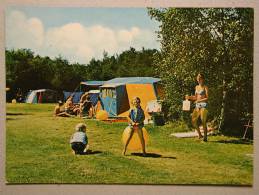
200	76
81	127
137	99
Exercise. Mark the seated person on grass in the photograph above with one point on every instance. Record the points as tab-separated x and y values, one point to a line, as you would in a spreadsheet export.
79	139
85	104
70	108
58	111
136	122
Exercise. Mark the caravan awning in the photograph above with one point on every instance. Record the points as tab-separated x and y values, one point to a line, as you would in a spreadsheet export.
92	83
112	85
133	80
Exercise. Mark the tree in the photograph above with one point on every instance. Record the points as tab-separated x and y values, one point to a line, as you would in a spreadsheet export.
217	42
18	68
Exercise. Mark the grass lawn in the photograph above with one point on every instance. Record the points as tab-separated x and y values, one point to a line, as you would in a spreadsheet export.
38	151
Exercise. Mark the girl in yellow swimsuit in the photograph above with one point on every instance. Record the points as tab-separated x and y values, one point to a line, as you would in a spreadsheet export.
200	99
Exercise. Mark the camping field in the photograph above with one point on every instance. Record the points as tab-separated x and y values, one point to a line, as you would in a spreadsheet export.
38	151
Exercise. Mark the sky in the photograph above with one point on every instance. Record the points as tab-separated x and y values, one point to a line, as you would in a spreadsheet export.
79	34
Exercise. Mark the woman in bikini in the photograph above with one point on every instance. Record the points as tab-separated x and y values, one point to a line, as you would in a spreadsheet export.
200	99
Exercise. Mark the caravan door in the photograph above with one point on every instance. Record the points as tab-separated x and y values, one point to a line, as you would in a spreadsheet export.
109	101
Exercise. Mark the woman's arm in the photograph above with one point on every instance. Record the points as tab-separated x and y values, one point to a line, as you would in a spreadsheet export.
141	118
192	97
129	119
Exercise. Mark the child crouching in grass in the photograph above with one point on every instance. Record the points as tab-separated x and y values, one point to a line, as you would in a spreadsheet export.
79	139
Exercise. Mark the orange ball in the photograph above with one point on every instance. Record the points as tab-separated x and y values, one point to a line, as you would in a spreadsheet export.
135	143
102	115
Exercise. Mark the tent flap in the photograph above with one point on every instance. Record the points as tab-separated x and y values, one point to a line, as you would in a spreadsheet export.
145	92
76	96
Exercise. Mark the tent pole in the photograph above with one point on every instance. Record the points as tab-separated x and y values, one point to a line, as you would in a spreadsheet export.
76	89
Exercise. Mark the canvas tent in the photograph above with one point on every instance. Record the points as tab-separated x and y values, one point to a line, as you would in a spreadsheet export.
117	93
41	96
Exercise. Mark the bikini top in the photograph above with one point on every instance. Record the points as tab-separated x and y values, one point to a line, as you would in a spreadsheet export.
201	92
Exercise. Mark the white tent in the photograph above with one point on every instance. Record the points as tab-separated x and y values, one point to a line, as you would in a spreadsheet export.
41	96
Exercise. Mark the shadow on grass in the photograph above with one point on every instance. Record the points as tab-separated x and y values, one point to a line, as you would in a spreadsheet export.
8	119
238	141
16	114
152	155
90	152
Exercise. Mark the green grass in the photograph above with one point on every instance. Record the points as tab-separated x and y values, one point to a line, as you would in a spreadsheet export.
38	151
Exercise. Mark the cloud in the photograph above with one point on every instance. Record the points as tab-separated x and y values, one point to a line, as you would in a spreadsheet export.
73	41
24	32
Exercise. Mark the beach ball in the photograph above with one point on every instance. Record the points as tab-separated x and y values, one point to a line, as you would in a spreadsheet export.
135	143
13	101
102	115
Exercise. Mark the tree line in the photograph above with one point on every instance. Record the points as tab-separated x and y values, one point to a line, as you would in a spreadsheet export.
26	71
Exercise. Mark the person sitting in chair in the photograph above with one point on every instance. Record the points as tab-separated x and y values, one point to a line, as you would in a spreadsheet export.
85	104
70	108
58	111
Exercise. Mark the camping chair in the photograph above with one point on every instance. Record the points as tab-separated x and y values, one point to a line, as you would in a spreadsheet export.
247	126
86	112
94	99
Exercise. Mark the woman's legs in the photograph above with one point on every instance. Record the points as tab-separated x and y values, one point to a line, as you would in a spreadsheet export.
142	140
128	140
64	114
81	109
204	113
195	117
76	111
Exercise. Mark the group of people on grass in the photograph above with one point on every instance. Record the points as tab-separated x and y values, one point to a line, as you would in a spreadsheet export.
68	108
136	119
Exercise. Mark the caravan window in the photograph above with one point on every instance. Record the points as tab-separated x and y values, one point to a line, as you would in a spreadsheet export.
108	92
